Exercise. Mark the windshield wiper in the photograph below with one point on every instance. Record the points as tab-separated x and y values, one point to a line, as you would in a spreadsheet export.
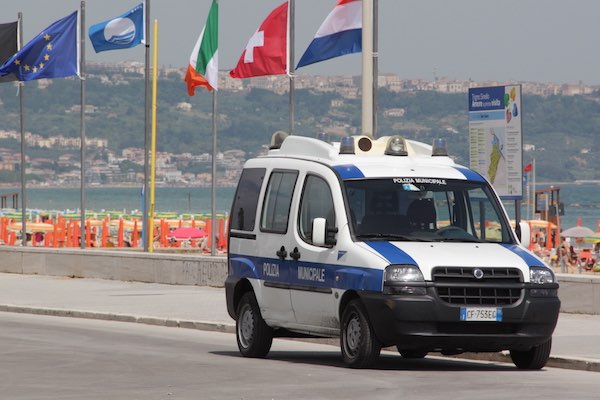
459	239
395	236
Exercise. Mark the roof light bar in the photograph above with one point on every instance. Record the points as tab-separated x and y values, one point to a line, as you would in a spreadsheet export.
323	137
347	145
439	147
396	146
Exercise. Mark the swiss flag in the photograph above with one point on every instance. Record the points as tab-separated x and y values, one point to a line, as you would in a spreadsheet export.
266	51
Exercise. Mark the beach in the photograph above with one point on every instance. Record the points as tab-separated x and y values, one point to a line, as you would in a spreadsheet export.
581	200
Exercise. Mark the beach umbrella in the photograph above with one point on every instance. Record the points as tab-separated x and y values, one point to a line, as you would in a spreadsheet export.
32	227
186	233
595	238
577	232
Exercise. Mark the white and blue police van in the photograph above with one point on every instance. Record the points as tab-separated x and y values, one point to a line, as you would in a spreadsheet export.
382	243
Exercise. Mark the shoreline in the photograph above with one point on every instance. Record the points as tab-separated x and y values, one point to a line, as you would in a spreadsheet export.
6	186
124	186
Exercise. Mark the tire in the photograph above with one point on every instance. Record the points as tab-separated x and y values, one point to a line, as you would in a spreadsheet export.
254	336
412	354
534	358
360	348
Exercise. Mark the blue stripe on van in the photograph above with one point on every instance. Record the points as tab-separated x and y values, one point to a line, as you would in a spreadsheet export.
349	171
393	254
306	274
529	258
470	174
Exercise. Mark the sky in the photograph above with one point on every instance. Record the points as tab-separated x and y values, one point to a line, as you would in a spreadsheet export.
506	41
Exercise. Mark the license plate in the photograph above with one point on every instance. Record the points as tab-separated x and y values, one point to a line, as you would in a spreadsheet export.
480	314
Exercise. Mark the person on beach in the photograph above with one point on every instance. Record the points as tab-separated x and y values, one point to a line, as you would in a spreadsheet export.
537	249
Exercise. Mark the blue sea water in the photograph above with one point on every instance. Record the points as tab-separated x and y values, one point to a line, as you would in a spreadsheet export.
580	200
179	200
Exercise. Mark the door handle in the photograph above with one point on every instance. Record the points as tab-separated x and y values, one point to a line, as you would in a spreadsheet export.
295	254
282	254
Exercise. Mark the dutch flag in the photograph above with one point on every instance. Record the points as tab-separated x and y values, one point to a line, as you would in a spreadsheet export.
340	34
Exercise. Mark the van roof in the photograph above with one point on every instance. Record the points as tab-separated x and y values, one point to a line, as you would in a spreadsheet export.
419	161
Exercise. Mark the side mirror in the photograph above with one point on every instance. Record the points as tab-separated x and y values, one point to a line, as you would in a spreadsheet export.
321	235
319	231
524	234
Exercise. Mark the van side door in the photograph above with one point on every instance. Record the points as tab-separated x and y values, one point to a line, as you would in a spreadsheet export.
314	266
273	262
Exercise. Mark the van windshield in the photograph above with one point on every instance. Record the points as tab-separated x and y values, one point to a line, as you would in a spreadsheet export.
425	209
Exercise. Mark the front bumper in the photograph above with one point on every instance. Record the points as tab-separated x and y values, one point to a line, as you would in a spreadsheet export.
427	323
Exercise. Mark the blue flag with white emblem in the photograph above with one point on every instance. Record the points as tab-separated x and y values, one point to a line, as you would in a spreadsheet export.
122	32
51	54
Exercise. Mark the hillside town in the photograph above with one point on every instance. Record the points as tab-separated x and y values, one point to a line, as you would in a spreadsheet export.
106	169
124	167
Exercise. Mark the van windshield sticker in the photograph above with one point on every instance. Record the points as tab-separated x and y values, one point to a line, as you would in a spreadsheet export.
412	181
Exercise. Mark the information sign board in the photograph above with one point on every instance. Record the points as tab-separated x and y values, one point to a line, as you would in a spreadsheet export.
495	139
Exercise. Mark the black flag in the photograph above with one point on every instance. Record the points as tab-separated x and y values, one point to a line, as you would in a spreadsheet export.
8	45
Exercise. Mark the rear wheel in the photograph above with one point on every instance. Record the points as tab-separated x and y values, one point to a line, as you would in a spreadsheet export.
360	347
534	358
254	336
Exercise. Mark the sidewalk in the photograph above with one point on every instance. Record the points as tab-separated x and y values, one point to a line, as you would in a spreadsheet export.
576	341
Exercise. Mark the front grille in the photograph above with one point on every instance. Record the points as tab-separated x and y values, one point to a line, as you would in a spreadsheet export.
497	287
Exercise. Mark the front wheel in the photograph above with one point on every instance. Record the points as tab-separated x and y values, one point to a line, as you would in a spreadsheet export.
254	336
360	347
534	358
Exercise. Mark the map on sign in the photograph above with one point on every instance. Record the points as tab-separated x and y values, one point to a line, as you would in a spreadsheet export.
495	139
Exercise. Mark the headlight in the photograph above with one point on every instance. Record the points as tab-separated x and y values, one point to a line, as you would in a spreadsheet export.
541	275
403	273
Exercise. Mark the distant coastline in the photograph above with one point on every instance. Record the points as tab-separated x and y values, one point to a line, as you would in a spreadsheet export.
576	182
12	186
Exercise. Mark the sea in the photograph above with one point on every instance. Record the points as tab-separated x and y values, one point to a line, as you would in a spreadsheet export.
581	201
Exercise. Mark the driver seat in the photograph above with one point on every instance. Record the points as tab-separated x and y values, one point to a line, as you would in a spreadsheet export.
422	215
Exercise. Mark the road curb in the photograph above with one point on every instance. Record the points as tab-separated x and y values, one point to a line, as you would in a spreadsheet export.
565	362
172	323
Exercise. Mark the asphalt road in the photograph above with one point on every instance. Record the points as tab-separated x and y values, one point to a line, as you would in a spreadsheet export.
66	358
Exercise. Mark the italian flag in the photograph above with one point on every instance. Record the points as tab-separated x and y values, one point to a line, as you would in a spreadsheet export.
203	69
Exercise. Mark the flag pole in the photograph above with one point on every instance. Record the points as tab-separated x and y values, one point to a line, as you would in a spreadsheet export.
291	68
153	146
527	179
213	188
82	124
367	68
375	62
146	234
23	167
533	190
213	221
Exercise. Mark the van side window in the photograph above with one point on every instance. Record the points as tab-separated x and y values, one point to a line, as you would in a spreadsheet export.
316	202
486	224
243	212
278	199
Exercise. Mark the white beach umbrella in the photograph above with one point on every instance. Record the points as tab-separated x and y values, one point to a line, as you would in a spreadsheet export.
577	232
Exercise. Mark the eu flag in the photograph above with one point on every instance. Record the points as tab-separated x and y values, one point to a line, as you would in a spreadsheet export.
51	54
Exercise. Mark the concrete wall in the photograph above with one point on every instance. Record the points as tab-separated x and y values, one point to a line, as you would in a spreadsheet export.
176	269
578	293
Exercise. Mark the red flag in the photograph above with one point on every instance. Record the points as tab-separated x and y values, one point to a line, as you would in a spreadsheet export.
266	51
528	168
